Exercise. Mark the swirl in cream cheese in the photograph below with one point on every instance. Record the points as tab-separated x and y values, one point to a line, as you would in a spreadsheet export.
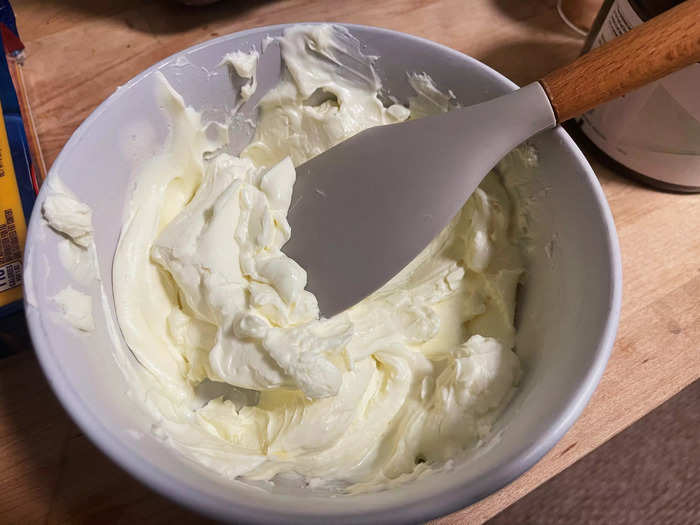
239	369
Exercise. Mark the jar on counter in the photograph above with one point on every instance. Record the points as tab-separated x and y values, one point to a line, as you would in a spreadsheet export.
652	133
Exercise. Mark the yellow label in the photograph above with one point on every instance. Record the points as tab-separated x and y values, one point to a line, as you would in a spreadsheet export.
13	228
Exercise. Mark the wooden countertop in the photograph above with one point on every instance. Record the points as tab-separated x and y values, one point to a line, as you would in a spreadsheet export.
79	51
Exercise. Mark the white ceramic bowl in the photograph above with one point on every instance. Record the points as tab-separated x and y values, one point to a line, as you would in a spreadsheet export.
568	310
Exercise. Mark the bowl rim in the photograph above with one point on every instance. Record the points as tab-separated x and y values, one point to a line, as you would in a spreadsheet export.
453	499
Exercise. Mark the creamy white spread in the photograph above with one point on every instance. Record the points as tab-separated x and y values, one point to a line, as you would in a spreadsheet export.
244	65
238	368
71	218
66	214
76	308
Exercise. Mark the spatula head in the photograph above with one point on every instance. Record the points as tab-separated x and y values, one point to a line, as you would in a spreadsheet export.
365	208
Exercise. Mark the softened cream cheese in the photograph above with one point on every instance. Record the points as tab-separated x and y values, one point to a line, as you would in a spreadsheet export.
72	219
237	367
76	308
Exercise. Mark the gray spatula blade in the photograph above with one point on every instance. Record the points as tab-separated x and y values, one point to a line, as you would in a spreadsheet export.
365	208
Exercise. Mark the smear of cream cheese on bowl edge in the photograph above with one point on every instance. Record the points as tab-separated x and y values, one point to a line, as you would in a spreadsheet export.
72	219
234	363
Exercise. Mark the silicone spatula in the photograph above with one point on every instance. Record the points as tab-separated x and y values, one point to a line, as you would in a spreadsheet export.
366	207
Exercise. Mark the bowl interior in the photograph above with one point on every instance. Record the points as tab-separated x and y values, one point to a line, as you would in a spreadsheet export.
567	309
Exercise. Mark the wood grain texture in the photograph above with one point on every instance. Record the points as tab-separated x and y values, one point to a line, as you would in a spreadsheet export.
79	51
648	52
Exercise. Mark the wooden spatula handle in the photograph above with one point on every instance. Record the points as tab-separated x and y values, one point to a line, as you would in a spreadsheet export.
648	52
